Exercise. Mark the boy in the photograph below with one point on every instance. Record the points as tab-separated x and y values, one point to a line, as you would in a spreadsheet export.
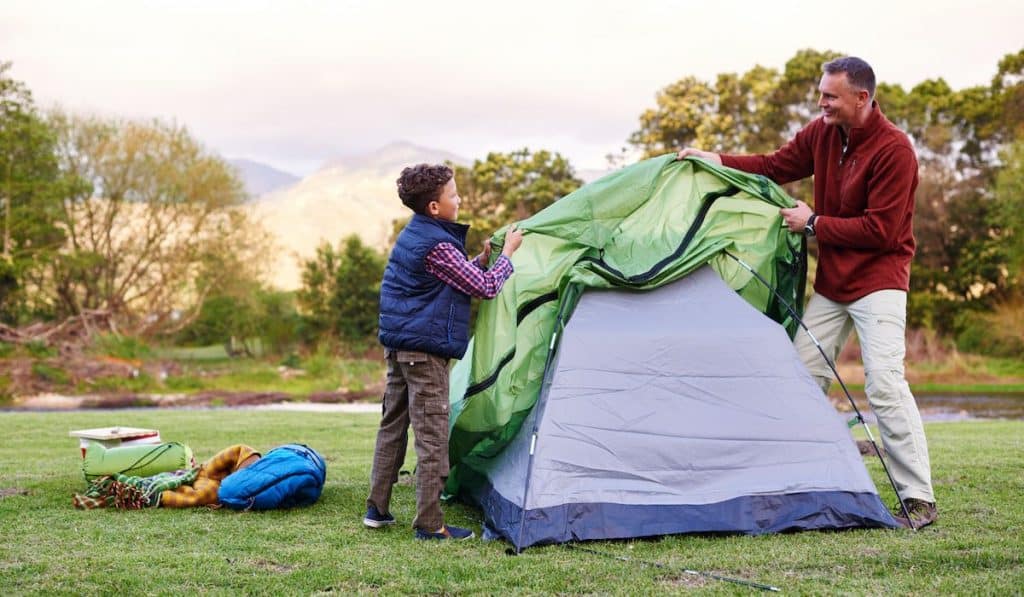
424	322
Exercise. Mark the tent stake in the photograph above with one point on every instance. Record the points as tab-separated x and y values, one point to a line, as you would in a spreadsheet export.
831	365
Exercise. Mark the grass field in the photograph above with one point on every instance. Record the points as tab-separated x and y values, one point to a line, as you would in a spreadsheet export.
49	547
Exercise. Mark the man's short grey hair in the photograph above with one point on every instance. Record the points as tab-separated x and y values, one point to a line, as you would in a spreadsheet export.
858	72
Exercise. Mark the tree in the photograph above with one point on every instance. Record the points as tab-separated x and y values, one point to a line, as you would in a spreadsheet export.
158	226
1007	216
31	187
749	113
340	293
681	118
356	297
1008	88
506	187
962	260
314	298
239	321
962	225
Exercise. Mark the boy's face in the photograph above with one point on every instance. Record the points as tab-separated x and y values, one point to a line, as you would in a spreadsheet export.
446	206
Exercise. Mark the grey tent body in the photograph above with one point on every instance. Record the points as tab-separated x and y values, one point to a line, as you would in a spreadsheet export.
677	410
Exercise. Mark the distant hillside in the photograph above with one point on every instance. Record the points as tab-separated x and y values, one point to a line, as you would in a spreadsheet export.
349	195
260	179
390	159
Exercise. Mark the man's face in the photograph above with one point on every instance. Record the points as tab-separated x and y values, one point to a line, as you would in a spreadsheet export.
840	101
446	206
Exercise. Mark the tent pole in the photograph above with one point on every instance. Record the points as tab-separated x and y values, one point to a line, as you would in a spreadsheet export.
831	365
569	296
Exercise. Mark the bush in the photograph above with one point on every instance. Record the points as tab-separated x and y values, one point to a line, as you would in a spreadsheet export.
263	319
930	310
999	333
291	360
40	349
50	373
185	383
122	347
321	363
5	389
340	291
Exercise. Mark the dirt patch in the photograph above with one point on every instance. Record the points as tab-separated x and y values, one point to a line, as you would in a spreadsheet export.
26	376
867	448
212	398
273	566
687	581
9	491
341	397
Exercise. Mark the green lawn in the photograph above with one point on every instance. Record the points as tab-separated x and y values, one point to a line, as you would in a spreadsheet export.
49	547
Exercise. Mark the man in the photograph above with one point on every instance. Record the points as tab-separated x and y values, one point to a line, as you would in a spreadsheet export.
865	175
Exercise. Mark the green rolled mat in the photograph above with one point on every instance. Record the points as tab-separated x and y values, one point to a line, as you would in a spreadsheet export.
139	461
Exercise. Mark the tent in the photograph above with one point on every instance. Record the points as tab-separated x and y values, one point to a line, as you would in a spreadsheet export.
628	383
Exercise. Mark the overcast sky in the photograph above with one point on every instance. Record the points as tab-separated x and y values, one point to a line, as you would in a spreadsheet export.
295	83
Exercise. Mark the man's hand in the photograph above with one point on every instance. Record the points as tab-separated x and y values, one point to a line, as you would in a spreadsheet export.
796	217
513	238
714	158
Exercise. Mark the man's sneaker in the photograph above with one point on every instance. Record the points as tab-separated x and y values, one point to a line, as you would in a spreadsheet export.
922	513
446	532
375	520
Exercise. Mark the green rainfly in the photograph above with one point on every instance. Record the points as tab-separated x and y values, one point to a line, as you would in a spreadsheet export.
638	228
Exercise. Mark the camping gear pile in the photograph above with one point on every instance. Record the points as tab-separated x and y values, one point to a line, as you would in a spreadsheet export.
636	378
135	477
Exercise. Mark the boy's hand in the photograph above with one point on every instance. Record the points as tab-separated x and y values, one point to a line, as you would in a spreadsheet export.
485	256
513	238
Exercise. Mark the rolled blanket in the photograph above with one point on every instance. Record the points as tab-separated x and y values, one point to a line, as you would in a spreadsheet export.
126	492
203	492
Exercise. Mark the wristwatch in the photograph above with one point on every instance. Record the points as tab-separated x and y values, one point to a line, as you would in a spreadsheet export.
809	226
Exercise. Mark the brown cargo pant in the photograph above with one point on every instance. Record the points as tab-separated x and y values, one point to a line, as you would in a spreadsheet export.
417	392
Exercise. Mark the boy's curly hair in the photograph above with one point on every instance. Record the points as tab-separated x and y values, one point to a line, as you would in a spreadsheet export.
420	184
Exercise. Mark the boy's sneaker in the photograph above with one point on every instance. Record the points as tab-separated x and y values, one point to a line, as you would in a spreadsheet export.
375	520
922	513
446	532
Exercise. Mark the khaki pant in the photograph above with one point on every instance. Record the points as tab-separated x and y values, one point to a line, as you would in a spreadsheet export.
417	393
880	320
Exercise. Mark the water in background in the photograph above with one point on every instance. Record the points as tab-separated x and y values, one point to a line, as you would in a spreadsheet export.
940	407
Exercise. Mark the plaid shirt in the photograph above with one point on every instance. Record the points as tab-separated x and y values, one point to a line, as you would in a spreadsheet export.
203	492
468	276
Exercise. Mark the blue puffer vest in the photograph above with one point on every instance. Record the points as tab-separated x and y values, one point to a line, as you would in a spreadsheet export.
417	310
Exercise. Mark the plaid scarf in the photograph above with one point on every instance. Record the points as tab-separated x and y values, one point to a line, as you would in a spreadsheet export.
126	492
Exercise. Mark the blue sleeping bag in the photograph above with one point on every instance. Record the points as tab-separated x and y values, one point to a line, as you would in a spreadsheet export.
287	476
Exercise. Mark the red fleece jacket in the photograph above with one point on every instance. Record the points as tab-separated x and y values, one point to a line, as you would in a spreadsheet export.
864	200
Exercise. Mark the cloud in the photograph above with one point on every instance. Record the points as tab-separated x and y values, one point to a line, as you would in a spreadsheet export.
293	83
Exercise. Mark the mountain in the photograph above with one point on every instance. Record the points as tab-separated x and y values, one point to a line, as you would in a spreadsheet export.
349	195
390	159
259	179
